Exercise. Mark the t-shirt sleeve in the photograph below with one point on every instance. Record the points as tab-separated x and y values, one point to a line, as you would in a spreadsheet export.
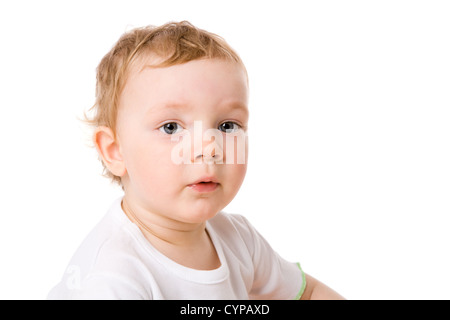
274	277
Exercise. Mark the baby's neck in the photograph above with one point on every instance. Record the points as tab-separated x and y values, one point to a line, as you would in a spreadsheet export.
186	244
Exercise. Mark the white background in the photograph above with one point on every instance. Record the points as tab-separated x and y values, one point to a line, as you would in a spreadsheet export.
349	135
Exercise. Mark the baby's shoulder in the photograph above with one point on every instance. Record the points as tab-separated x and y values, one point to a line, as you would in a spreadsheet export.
229	221
233	228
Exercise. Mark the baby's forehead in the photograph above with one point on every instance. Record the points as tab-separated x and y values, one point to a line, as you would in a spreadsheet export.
201	74
183	87
153	61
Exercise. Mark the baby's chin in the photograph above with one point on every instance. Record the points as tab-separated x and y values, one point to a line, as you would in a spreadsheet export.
198	213
197	216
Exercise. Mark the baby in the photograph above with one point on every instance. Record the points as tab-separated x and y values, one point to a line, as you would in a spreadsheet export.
171	118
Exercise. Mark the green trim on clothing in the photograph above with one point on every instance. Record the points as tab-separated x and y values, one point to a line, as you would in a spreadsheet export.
302	289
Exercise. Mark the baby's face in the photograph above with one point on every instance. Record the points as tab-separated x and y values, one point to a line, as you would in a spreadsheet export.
182	136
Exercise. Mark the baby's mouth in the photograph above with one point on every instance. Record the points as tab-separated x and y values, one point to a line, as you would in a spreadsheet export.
204	186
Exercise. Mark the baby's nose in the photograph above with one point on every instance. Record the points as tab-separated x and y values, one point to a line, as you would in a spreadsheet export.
210	151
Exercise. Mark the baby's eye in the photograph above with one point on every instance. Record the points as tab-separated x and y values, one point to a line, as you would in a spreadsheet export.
229	127
170	128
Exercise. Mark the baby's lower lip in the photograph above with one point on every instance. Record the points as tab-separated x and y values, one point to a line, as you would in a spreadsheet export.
204	187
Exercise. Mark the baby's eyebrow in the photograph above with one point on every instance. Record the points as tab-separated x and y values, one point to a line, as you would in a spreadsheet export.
234	105
172	105
237	105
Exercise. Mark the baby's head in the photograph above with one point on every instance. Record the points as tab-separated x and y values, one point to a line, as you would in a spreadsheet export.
171	120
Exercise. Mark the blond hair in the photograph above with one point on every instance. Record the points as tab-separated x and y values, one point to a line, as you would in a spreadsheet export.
174	43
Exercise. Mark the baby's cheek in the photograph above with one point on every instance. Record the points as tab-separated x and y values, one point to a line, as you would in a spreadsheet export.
235	175
235	148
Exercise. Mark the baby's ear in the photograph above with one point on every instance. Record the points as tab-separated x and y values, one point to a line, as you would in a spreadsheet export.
109	150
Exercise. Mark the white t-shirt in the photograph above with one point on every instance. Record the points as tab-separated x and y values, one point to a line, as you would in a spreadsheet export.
116	261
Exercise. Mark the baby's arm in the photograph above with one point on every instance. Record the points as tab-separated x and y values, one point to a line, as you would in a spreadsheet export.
316	290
